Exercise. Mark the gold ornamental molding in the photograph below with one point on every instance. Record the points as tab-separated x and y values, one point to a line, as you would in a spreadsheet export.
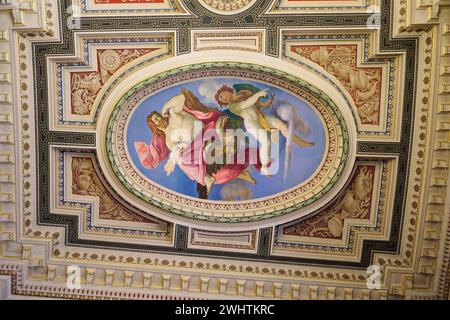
34	259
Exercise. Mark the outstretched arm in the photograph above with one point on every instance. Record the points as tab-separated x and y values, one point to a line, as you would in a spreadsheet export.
174	105
249	102
267	103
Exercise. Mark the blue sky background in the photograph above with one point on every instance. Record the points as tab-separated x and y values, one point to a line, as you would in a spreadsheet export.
304	161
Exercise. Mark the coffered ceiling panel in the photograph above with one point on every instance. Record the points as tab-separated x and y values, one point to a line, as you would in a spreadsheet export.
285	149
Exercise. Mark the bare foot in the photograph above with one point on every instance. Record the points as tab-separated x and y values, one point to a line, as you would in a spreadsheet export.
265	171
247	177
209	181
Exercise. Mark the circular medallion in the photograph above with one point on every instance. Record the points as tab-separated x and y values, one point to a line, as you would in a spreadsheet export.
228	142
110	60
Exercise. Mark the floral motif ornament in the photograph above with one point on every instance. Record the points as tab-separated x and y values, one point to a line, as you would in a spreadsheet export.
363	84
289	201
227	7
85	86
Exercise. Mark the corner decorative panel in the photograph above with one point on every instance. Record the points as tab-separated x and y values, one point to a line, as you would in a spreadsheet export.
127	7
322	6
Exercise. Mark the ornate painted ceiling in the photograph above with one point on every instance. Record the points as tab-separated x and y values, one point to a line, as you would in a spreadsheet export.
123	174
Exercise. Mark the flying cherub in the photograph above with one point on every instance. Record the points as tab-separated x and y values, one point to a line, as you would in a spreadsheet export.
245	101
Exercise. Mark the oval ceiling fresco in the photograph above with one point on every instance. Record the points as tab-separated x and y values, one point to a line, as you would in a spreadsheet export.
293	157
227	142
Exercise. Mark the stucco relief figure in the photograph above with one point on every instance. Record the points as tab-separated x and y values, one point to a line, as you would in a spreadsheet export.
86	182
354	204
84	90
364	84
85	86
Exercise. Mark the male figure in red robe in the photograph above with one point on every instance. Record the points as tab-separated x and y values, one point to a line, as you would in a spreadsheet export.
175	139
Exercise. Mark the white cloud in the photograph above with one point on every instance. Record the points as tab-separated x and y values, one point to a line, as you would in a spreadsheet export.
208	90
236	191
